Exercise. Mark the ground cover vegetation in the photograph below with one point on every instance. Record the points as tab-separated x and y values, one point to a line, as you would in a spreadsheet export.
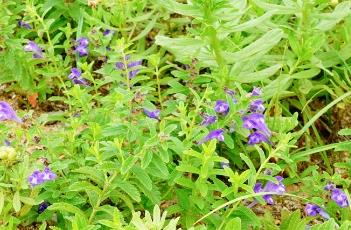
175	114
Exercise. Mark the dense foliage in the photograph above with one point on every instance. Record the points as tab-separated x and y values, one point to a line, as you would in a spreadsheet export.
200	112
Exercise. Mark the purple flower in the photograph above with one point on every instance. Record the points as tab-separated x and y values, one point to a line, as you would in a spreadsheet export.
256	121
76	78
7	113
339	197
82	46
132	74
208	119
35	49
329	187
221	107
38	177
270	187
84	42
257	137
256	91
256	106
314	210
130	66
215	134
48	174
42	207
106	32
154	114
24	24
82	51
7	143
229	92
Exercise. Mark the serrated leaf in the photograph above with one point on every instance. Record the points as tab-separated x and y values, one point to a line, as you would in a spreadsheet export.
282	124
129	189
128	164
66	207
92	173
143	177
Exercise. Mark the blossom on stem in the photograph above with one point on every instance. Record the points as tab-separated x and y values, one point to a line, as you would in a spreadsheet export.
82	46
24	24
39	177
221	107
339	197
7	113
208	119
154	114
42	207
256	91
256	121
257	106
35	49
257	137
314	210
215	134
270	187
76	78
131	66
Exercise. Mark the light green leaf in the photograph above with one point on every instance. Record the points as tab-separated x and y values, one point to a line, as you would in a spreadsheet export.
128	188
16	203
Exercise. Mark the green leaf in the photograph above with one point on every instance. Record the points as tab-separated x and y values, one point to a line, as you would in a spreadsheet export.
2	200
93	174
158	168
293	221
143	177
248	218
330	224
258	75
183	9
146	29
310	73
282	124
66	207
329	20
128	188
234	223
261	45
345	132
16	203
128	164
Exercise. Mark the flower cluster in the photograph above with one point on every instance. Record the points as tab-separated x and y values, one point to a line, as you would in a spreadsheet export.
278	188
7	113
35	49
255	121
131	66
222	108
39	177
82	46
76	78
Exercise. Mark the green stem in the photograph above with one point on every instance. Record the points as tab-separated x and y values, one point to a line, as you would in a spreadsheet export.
158	86
101	197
